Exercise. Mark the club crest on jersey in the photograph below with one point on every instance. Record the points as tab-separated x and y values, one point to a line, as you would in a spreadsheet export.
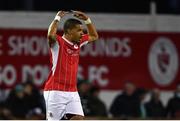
75	46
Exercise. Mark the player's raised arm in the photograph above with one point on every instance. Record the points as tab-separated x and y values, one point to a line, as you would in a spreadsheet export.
93	35
52	30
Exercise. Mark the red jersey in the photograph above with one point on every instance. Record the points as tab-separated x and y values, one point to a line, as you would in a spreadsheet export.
64	58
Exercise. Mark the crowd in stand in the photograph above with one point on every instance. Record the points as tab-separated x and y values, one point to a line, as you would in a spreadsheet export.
25	101
131	104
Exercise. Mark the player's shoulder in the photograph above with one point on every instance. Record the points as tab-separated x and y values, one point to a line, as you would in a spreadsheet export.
59	37
57	42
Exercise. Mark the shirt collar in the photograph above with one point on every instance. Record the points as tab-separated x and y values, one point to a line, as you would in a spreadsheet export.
67	40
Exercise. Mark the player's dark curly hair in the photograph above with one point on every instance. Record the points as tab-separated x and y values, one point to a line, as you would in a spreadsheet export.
71	23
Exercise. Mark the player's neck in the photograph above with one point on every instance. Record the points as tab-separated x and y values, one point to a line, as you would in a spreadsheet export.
68	37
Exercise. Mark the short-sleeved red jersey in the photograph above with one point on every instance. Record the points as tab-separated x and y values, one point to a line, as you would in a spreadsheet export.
64	58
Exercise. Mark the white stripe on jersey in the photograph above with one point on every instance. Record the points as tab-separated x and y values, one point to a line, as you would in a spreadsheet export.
55	53
84	43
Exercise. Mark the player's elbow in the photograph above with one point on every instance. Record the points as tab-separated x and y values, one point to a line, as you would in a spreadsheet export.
51	38
51	34
94	37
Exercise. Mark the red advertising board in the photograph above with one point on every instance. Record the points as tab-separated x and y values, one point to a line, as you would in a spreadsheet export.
148	59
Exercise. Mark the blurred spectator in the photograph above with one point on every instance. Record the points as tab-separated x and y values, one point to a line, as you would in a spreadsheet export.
15	103
84	89
97	106
173	106
24	102
154	106
34	99
141	93
126	105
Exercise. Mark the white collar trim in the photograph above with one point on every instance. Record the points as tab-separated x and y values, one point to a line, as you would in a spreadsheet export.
67	40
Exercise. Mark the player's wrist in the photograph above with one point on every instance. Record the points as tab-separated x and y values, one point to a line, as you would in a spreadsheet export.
88	21
57	18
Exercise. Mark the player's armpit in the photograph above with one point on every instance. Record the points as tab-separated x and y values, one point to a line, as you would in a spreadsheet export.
51	39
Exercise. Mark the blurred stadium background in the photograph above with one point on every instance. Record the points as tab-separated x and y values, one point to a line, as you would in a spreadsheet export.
136	57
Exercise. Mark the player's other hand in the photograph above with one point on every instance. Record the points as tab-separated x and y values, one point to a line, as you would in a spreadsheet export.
62	13
79	15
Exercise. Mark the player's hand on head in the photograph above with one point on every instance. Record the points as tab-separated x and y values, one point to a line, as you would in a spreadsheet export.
62	13
80	15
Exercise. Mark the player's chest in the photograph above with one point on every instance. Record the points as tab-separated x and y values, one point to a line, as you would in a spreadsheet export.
71	51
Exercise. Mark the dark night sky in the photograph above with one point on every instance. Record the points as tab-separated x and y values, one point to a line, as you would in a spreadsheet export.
98	6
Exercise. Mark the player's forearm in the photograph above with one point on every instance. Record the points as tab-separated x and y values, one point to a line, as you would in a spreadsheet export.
92	32
54	26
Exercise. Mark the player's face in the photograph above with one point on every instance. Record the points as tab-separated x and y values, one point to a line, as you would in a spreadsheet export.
77	33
